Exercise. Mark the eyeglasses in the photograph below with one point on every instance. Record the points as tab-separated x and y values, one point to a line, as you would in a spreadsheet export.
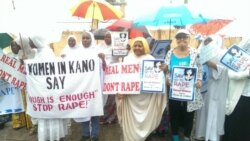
181	37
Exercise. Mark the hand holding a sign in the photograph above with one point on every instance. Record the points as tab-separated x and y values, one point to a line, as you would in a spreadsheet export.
198	84
101	56
120	96
164	67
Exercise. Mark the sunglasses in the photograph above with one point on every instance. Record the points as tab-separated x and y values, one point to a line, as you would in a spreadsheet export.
181	37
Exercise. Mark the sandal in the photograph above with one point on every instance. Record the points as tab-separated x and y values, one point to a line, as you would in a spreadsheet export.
33	130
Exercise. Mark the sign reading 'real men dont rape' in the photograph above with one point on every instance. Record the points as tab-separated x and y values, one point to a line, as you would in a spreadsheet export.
12	71
64	88
122	78
132	78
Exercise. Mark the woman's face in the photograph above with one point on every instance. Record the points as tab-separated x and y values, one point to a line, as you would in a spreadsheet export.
182	40
207	41
138	48
86	40
31	43
107	39
71	42
15	47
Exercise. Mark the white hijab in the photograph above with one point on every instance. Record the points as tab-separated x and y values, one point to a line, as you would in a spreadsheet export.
92	44
90	49
70	51
23	41
43	50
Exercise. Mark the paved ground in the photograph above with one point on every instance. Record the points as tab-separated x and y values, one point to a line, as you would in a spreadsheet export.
108	133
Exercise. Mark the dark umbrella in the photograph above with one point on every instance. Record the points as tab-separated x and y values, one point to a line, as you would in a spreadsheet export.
5	40
100	33
127	25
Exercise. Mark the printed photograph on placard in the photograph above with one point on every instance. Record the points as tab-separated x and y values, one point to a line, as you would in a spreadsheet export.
183	81
120	41
236	59
152	77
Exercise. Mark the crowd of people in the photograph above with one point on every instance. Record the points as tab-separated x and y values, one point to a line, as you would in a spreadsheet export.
218	111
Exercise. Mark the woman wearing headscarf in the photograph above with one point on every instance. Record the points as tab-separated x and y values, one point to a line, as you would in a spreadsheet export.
237	125
71	48
18	119
27	52
48	129
90	125
110	106
211	117
182	112
139	114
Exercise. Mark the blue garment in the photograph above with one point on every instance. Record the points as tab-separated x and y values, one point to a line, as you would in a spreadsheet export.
205	77
175	61
91	128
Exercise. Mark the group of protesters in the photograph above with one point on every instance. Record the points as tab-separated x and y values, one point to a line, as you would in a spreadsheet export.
217	112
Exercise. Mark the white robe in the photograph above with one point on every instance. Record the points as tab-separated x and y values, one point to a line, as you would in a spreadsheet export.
140	114
54	128
211	117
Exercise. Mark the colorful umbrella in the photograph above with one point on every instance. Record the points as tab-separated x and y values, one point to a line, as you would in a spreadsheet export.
170	15
134	31
99	10
210	27
5	40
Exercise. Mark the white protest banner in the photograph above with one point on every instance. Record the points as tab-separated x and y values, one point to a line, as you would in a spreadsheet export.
208	52
12	71
152	77
122	78
236	59
183	81
10	99
64	88
119	41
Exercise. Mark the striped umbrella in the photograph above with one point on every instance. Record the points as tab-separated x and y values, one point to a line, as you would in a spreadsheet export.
99	10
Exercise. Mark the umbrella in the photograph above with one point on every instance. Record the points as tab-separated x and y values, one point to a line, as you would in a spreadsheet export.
211	27
134	31
96	10
100	33
5	40
172	16
237	28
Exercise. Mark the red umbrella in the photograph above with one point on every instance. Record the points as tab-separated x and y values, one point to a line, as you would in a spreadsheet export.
134	31
210	27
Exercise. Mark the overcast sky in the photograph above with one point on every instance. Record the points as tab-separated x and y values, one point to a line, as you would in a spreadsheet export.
38	12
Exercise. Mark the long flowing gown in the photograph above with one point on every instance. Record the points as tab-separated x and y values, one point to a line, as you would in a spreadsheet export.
139	114
210	121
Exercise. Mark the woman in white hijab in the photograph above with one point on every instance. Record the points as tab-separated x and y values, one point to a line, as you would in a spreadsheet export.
211	117
109	116
237	125
71	48
90	125
48	129
140	114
